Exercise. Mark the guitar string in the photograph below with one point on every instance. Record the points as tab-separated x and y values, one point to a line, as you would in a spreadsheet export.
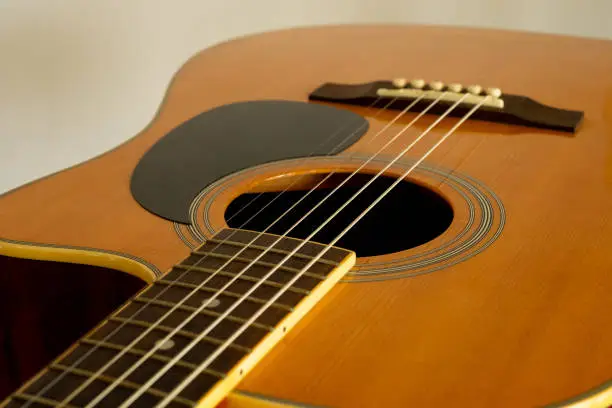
335	150
185	382
371	140
176	306
220	269
229	341
125	374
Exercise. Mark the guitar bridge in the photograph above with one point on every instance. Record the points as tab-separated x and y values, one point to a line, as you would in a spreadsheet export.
495	106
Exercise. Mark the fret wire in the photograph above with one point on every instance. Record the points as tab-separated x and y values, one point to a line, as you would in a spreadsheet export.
243	277
273	250
225	292
184	333
38	399
142	323
159	357
284	239
192	309
127	384
259	262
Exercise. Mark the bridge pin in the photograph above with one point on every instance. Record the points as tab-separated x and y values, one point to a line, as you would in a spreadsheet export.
436	85
417	83
494	92
475	89
399	82
455	87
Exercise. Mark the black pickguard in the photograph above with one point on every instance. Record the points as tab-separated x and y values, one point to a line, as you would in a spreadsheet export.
233	137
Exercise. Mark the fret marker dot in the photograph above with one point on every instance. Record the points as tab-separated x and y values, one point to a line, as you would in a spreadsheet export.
164	344
211	303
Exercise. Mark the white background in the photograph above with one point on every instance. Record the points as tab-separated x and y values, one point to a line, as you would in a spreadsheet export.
78	77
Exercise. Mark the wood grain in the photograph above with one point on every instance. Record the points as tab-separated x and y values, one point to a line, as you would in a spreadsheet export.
525	323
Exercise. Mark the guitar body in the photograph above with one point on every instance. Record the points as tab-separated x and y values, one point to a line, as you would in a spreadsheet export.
508	305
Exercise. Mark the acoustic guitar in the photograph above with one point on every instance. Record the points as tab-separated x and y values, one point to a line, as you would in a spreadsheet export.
350	216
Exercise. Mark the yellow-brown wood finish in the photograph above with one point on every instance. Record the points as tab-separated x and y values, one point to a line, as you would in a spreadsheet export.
525	323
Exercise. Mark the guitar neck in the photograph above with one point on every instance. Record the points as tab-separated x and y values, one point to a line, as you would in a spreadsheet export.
191	336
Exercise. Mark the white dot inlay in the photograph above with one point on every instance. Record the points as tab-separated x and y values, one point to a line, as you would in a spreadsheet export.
211	303
164	344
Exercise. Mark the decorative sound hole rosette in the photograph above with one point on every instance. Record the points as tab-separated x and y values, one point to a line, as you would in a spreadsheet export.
479	215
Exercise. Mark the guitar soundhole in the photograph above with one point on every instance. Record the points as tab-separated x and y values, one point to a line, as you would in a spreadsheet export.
409	216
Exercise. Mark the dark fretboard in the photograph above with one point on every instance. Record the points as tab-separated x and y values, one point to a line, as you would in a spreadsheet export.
180	289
